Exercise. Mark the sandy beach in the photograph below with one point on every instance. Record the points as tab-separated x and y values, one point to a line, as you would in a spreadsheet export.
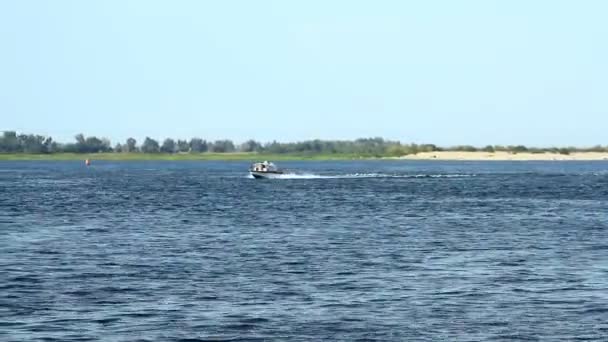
455	155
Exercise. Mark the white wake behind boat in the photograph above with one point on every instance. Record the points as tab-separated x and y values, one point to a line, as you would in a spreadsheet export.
264	170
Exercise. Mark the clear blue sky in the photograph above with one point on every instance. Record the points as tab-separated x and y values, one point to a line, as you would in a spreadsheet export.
445	72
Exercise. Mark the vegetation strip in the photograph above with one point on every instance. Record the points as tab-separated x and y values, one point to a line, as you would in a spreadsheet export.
15	146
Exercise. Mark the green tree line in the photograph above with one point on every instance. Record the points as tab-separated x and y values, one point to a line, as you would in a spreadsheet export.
11	142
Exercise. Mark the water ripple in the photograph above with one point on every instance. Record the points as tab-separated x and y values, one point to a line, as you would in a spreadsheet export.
364	251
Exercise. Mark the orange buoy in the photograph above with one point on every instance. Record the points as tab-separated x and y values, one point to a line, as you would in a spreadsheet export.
87	162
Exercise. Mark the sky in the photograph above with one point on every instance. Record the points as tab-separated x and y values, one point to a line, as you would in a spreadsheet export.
443	72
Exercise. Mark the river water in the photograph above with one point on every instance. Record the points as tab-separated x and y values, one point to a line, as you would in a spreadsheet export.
354	250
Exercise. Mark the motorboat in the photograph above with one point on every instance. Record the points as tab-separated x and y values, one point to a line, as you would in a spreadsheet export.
264	169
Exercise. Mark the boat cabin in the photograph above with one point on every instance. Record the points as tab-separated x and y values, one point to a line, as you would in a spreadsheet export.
264	167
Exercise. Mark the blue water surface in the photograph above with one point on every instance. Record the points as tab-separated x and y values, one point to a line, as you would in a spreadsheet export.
352	250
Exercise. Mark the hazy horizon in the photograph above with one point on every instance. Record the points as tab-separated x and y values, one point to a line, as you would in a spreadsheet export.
466	73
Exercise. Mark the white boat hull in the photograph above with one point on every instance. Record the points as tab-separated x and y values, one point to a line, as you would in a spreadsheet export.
266	174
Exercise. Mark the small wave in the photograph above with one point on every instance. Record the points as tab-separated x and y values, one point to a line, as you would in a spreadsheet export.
383	175
299	176
365	175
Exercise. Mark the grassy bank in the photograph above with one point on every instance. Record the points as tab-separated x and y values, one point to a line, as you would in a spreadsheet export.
237	156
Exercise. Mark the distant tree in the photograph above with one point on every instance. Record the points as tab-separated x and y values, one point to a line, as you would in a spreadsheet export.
90	145
222	146
198	145
31	143
80	139
250	146
183	146
49	146
363	146
95	145
70	148
131	145
427	148
168	146
518	148
275	147
106	144
80	145
597	148
552	150
413	148
9	142
464	148
150	146
398	150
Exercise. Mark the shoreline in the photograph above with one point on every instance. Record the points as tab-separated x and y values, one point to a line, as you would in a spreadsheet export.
251	157
207	156
506	156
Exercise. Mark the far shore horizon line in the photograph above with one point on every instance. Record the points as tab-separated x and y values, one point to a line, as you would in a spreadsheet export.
252	156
